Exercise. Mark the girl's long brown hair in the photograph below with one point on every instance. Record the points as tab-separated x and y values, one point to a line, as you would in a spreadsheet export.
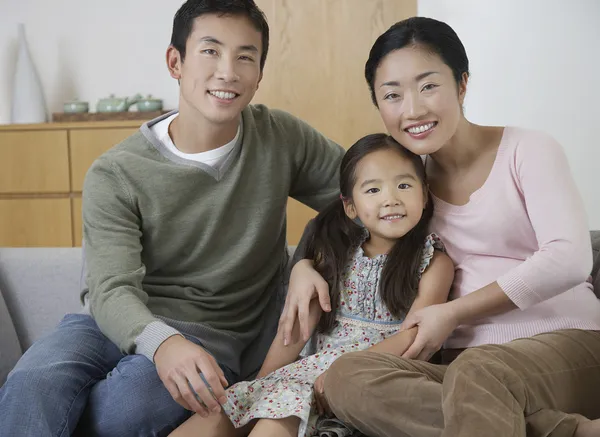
331	237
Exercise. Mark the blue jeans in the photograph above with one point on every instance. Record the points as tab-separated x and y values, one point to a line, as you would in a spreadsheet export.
76	381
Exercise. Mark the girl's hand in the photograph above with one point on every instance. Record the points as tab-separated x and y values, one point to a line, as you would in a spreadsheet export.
305	285
435	323
319	390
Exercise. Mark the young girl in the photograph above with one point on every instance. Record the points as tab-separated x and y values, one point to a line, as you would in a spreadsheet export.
373	248
521	329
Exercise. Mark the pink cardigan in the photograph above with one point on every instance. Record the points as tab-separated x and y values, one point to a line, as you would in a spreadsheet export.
525	228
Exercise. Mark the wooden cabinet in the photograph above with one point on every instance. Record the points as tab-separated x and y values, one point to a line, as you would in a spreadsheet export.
44	222
42	167
34	162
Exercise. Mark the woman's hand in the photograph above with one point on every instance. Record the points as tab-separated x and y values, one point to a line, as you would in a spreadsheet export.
435	323
305	285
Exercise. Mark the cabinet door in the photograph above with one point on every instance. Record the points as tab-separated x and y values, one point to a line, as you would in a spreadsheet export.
36	222
34	162
89	144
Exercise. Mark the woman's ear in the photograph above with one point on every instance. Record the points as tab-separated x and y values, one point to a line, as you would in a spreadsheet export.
349	208
462	88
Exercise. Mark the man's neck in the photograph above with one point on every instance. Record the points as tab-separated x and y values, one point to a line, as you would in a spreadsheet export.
193	135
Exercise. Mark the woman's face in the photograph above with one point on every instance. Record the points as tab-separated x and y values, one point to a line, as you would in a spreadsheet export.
418	99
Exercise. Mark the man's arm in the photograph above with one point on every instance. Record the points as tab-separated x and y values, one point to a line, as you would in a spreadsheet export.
316	162
112	235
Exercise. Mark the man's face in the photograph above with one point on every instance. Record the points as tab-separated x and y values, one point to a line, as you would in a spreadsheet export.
221	70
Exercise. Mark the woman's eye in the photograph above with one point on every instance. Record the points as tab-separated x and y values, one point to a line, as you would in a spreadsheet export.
391	96
429	87
404	186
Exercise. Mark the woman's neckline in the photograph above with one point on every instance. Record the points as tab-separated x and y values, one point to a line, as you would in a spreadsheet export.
479	193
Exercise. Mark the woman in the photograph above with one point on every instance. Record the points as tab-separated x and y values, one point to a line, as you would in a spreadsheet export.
520	333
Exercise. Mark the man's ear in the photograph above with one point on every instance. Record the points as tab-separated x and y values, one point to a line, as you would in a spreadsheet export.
174	62
349	209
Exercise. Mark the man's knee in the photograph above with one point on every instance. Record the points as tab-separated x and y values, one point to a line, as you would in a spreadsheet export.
132	397
24	382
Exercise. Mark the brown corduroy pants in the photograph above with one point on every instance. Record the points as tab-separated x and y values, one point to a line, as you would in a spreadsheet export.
528	387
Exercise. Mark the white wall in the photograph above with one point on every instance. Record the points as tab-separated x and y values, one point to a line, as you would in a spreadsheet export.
90	48
534	63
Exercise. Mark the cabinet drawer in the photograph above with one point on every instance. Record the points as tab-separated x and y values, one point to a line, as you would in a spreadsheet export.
35	223
34	162
89	144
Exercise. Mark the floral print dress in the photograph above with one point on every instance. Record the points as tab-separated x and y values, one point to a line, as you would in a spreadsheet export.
362	321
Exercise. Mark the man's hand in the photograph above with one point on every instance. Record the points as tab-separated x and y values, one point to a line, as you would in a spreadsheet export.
179	363
305	284
319	389
435	324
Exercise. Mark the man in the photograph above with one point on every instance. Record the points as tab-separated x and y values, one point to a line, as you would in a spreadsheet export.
184	241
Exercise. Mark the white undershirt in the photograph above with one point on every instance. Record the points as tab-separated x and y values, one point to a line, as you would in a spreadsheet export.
214	158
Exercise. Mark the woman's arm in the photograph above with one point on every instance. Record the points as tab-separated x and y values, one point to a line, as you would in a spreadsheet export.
280	354
557	215
434	288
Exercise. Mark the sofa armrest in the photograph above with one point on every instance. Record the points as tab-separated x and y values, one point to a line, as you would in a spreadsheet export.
39	285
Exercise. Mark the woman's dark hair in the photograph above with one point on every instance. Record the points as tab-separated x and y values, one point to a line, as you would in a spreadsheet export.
427	33
183	23
332	236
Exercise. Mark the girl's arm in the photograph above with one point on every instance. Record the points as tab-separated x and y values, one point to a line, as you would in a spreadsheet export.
279	354
434	288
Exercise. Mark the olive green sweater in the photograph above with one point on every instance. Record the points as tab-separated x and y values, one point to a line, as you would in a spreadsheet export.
175	246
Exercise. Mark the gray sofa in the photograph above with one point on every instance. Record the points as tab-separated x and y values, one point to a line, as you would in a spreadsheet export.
39	286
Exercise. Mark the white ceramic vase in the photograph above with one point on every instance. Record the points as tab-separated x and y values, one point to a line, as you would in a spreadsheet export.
28	104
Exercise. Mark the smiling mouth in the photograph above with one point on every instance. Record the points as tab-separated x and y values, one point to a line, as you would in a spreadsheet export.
392	217
223	95
416	130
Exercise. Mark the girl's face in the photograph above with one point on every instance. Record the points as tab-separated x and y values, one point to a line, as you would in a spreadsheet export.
388	197
418	99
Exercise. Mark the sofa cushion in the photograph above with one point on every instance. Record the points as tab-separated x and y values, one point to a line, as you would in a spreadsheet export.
10	349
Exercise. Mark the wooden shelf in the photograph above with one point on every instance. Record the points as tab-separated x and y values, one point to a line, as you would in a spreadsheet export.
72	125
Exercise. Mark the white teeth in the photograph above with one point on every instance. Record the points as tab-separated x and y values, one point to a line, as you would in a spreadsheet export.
421	129
222	95
393	217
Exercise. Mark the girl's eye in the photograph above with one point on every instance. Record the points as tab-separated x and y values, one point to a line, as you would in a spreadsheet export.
373	190
429	87
404	186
